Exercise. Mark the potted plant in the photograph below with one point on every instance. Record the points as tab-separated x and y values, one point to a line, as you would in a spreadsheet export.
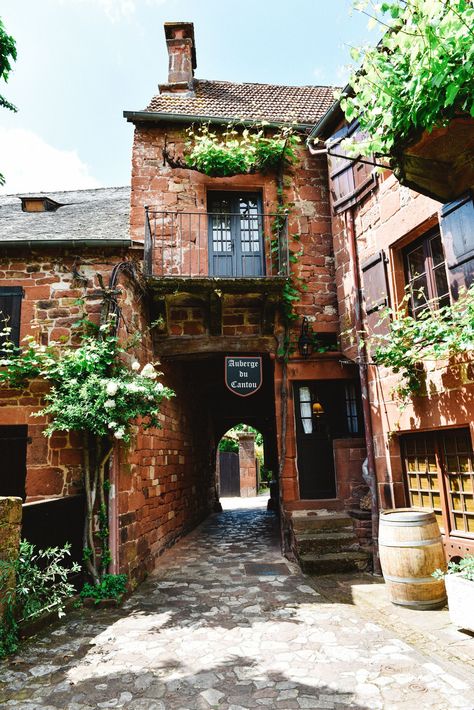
459	580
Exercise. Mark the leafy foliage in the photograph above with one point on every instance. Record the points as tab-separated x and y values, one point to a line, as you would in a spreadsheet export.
228	445
111	586
41	585
92	390
436	333
417	77
7	56
464	568
235	153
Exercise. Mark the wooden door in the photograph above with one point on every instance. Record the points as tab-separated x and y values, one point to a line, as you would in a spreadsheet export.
315	456
229	474
235	234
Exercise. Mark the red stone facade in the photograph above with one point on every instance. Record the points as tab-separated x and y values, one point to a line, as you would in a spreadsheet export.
391	218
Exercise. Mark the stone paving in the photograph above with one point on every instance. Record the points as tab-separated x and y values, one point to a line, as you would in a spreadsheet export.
205	632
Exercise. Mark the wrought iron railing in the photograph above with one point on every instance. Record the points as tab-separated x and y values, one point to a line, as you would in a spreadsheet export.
215	244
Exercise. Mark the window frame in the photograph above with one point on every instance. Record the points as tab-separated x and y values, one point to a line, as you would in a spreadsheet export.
433	297
16	294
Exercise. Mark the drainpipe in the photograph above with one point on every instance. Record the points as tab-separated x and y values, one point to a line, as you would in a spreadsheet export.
364	386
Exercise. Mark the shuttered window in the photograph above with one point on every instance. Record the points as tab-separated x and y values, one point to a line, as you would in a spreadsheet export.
350	179
376	293
457	230
10	312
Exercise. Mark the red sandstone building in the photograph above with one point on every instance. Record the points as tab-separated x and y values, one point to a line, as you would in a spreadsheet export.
207	280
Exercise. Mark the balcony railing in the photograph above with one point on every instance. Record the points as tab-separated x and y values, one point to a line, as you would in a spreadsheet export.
215	244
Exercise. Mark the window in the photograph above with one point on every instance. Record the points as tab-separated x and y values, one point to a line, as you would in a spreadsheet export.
235	234
13	441
426	276
439	469
10	311
306	411
352	412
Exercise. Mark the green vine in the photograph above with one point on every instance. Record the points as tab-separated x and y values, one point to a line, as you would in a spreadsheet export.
234	152
435	334
419	75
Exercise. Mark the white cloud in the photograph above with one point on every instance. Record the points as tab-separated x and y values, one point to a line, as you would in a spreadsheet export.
117	10
29	164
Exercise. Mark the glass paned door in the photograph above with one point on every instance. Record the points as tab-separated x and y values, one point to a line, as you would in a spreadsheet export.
235	234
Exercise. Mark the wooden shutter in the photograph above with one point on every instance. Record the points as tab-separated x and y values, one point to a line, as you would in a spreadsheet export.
13	440
349	179
457	232
10	311
376	293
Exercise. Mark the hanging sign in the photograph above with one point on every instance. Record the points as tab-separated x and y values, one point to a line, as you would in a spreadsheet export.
243	375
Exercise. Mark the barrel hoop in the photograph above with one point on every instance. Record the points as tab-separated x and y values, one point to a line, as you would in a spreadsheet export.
423	604
412	543
404	523
409	580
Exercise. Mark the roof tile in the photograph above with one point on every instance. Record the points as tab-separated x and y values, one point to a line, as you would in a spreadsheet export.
259	102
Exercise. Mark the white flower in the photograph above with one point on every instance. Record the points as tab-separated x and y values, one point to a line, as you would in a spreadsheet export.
109	403
113	425
111	388
119	434
135	365
149	371
159	387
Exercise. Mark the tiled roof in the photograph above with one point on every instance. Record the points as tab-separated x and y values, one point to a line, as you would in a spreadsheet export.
86	215
260	102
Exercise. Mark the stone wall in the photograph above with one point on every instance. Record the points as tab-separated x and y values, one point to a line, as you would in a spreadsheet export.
10	527
247	465
179	190
389	218
166	484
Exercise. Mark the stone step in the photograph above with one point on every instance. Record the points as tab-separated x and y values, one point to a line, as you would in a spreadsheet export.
335	562
305	521
323	541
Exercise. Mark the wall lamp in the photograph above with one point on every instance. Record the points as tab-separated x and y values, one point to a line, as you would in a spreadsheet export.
305	341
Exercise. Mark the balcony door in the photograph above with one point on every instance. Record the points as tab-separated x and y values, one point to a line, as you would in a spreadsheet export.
235	234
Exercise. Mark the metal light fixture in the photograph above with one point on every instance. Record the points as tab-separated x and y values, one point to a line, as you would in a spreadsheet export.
318	409
305	341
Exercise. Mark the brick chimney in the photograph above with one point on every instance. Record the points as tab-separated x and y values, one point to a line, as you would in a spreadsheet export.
182	58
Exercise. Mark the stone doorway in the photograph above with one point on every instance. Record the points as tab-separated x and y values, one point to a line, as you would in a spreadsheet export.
240	463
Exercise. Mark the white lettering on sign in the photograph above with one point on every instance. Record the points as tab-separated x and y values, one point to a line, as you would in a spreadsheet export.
243	363
239	385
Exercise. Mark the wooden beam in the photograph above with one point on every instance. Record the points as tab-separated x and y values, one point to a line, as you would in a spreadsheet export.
192	345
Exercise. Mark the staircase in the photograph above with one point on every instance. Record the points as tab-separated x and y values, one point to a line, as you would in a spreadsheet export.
324	542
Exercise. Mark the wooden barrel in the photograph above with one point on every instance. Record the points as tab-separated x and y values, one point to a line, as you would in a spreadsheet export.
410	550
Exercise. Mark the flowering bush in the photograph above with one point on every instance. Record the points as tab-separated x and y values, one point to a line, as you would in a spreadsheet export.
92	389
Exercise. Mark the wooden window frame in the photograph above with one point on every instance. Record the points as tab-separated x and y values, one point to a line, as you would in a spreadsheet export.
432	295
16	293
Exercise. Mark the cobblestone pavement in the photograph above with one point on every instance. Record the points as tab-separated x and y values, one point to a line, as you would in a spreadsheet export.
208	631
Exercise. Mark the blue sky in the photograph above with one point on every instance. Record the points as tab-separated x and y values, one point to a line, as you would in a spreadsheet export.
82	62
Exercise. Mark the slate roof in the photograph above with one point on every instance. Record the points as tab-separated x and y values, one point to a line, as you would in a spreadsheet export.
260	102
98	215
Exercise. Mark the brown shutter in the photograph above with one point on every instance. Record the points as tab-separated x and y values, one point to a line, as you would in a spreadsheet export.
10	311
457	232
376	293
349	179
